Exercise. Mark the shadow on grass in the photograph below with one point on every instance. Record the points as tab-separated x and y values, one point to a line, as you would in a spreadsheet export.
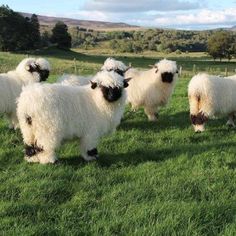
157	155
75	160
139	156
131	120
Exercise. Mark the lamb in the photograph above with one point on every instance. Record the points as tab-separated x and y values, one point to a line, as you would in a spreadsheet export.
152	88
110	64
63	112
30	70
209	97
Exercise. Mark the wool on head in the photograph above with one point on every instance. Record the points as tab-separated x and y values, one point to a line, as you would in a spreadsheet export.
113	64
166	66
109	79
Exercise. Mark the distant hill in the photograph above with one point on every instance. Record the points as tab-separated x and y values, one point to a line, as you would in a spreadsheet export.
95	25
233	28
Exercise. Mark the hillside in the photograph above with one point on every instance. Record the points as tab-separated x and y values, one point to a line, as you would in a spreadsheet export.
96	25
233	28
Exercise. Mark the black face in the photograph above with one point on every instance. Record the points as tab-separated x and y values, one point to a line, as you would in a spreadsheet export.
43	74
167	77
111	94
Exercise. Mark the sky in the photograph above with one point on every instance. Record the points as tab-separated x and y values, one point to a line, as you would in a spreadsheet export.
178	14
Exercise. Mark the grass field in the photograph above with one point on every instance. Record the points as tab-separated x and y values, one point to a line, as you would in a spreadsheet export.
151	179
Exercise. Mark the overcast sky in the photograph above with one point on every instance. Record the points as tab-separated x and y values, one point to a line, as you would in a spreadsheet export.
180	14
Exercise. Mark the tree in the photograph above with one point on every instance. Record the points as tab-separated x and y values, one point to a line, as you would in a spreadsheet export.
12	27
60	35
220	45
45	39
35	33
16	31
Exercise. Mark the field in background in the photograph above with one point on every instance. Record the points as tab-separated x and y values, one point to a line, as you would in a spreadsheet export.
89	61
151	178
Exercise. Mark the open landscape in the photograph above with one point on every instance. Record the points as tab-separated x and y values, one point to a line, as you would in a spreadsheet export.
152	178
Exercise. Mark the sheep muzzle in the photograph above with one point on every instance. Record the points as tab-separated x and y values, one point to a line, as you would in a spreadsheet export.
43	75
111	94
167	77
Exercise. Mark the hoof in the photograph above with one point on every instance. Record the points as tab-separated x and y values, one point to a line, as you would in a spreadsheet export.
230	124
90	158
33	159
199	128
153	119
198	131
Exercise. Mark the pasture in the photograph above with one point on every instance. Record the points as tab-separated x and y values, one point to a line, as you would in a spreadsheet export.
152	178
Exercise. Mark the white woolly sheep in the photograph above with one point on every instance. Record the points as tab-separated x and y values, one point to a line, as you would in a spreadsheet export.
211	96
110	64
64	112
30	70
152	88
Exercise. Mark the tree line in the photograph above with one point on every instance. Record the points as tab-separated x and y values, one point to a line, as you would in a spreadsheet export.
23	33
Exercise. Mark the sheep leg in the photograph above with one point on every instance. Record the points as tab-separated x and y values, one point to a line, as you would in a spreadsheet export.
198	122
35	153
13	121
134	108
231	119
198	118
38	145
88	148
151	113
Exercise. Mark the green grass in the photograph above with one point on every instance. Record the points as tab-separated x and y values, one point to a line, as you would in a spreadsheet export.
151	179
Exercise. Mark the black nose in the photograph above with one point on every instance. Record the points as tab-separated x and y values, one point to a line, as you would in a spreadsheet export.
111	94
167	77
43	75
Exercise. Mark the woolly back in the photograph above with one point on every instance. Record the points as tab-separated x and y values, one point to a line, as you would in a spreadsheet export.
68	79
200	84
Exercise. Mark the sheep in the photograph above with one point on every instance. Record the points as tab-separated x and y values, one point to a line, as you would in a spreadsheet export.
62	112
152	88
110	64
210	97
29	70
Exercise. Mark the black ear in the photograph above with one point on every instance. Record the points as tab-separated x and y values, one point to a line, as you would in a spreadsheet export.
93	84
129	67
156	69
126	82
31	67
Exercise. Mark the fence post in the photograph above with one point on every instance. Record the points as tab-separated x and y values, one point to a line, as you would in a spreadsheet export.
180	70
194	68
75	67
226	71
